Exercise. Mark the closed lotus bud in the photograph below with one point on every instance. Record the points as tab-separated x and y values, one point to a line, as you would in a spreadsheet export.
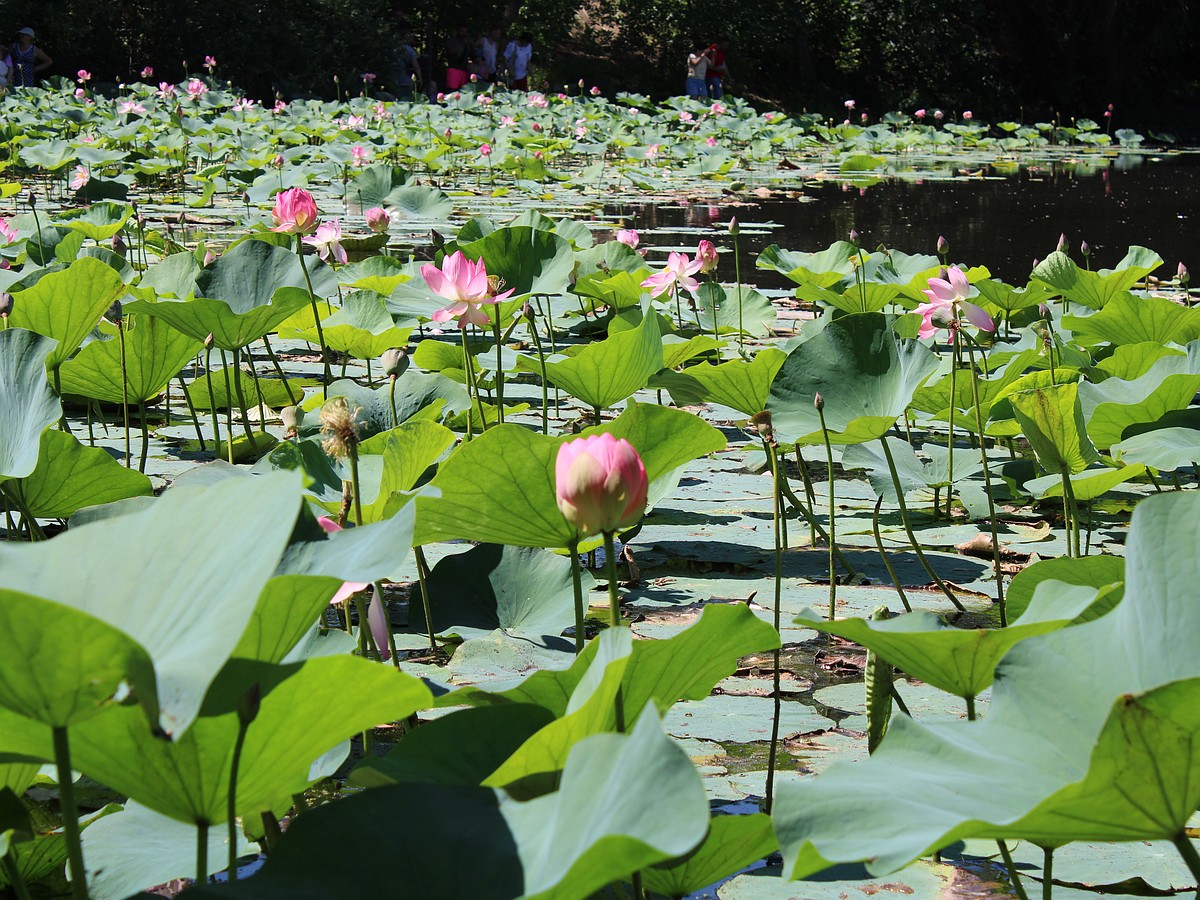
600	484
249	704
395	362
706	254
1182	274
943	245
1062	243
854	236
6	304
278	161
31	199
208	341
292	417
118	245
1085	249
1044	311
734	228
818	401
378	220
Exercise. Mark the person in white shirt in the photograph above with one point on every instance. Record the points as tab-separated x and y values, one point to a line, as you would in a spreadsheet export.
519	56
488	53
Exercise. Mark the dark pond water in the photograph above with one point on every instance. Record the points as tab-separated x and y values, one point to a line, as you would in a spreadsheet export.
1003	221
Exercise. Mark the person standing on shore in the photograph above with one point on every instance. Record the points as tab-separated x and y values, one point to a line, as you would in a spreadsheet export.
718	69
519	57
27	59
697	70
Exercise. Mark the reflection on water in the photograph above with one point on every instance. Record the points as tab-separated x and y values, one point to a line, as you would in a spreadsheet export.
993	218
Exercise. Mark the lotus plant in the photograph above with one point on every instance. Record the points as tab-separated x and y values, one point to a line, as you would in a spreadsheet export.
678	275
295	212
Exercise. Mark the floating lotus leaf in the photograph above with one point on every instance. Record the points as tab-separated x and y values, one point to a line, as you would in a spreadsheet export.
362	327
99	221
824	268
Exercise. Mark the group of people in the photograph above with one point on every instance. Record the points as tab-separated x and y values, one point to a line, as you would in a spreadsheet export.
708	70
22	60
485	58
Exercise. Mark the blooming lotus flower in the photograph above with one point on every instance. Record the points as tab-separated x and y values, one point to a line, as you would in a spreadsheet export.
485	150
368	77
718	108
360	155
710	141
280	106
83	76
629	237
79	178
706	255
686	116
600	484
327	241
920	113
80	93
948	304
968	116
464	282
210	63
148	72
595	91
378	219
243	104
126	107
9	233
677	275
165	89
295	212
652	151
196	88
507	121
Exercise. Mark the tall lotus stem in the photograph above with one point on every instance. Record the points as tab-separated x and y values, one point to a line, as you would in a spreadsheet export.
247	713
1047	873
292	399
202	852
145	436
499	368
228	406
124	385
1071	508
819	403
70	813
887	563
192	412
241	398
912	538
531	318
312	299
762	424
9	866
1013	876
614	612
472	387
423	581
734	231
577	583
1190	857
950	437
212	398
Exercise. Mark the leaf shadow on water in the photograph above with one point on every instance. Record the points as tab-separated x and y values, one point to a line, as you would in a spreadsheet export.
665	515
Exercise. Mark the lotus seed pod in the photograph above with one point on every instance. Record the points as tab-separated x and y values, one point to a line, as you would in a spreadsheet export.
761	423
943	245
6	304
395	362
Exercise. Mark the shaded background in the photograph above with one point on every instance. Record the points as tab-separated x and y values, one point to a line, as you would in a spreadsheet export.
1018	59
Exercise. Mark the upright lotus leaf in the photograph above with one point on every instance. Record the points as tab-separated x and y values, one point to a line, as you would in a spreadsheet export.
865	297
70	476
1105	573
1095	289
1127	319
1112	406
678	350
740	385
67	304
935	398
996	296
866	375
419	201
1131	361
27	404
618	290
1110	753
733	842
364	554
1052	421
285	612
408	452
188	638
499	488
824	268
1163	448
756	315
608	371
625	802
915	474
529	260
172	276
226	382
202	316
362	327
247	275
370	187
1087	485
960	661
154	354
99	221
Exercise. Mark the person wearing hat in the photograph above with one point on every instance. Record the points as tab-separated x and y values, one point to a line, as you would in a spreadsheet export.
27	60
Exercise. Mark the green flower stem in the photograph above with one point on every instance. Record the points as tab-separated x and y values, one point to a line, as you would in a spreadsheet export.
737	274
808	490
614	612
1072	509
1188	851
1013	877
231	811
241	398
422	579
124	392
31	525
970	701
499	371
279	371
312	298
472	388
352	447
987	484
145	436
887	563
950	437
832	514
391	635
537	343
912	538
1047	873
777	519
577	582
815	525
392	401
228	406
192	412
262	413
70	813
212	400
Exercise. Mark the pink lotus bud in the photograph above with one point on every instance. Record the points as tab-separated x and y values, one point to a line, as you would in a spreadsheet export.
1084	249
485	150
629	237
378	220
1062	243
447	133
595	91
939	115
537	126
734	228
278	161
863	118
706	255
148	72
968	116
440	97
600	484
920	113
854	236
1182	274
295	212
209	257
943	245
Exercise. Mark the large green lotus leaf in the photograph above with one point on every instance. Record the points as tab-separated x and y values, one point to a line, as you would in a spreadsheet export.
684	667
446	750
608	371
154	354
370	187
1105	573
365	554
135	578
1095	289
1052	421
44	684
408	452
1004	298
499	487
43	859
733	842
864	373
915	474
960	661
1162	448
756	317
99	221
416	393
1086	485
274	392
1131	361
528	259
362	327
620	290
67	304
625	802
70	476
419	201
380	274
139	847
172	276
1127	319
1113	405
202	316
824	268
1110	753
740	385
935	398
248	275
526	590
603	259
27	404
678	350
286	610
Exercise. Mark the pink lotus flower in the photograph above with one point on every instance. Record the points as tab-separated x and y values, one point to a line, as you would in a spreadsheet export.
706	255
368	77
280	106
295	212
863	118
360	155
148	72
537	154
83	76
79	178
196	88
485	150
600	484
948	304
939	115
7	231
327	241
580	132
595	91
378	219
677	275
243	104
629	237
210	63
849	104
718	108
464	282
165	89
920	113
770	117
126	107
710	141
348	588
968	116
686	116
356	122
537	126
507	121
652	151
485	99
